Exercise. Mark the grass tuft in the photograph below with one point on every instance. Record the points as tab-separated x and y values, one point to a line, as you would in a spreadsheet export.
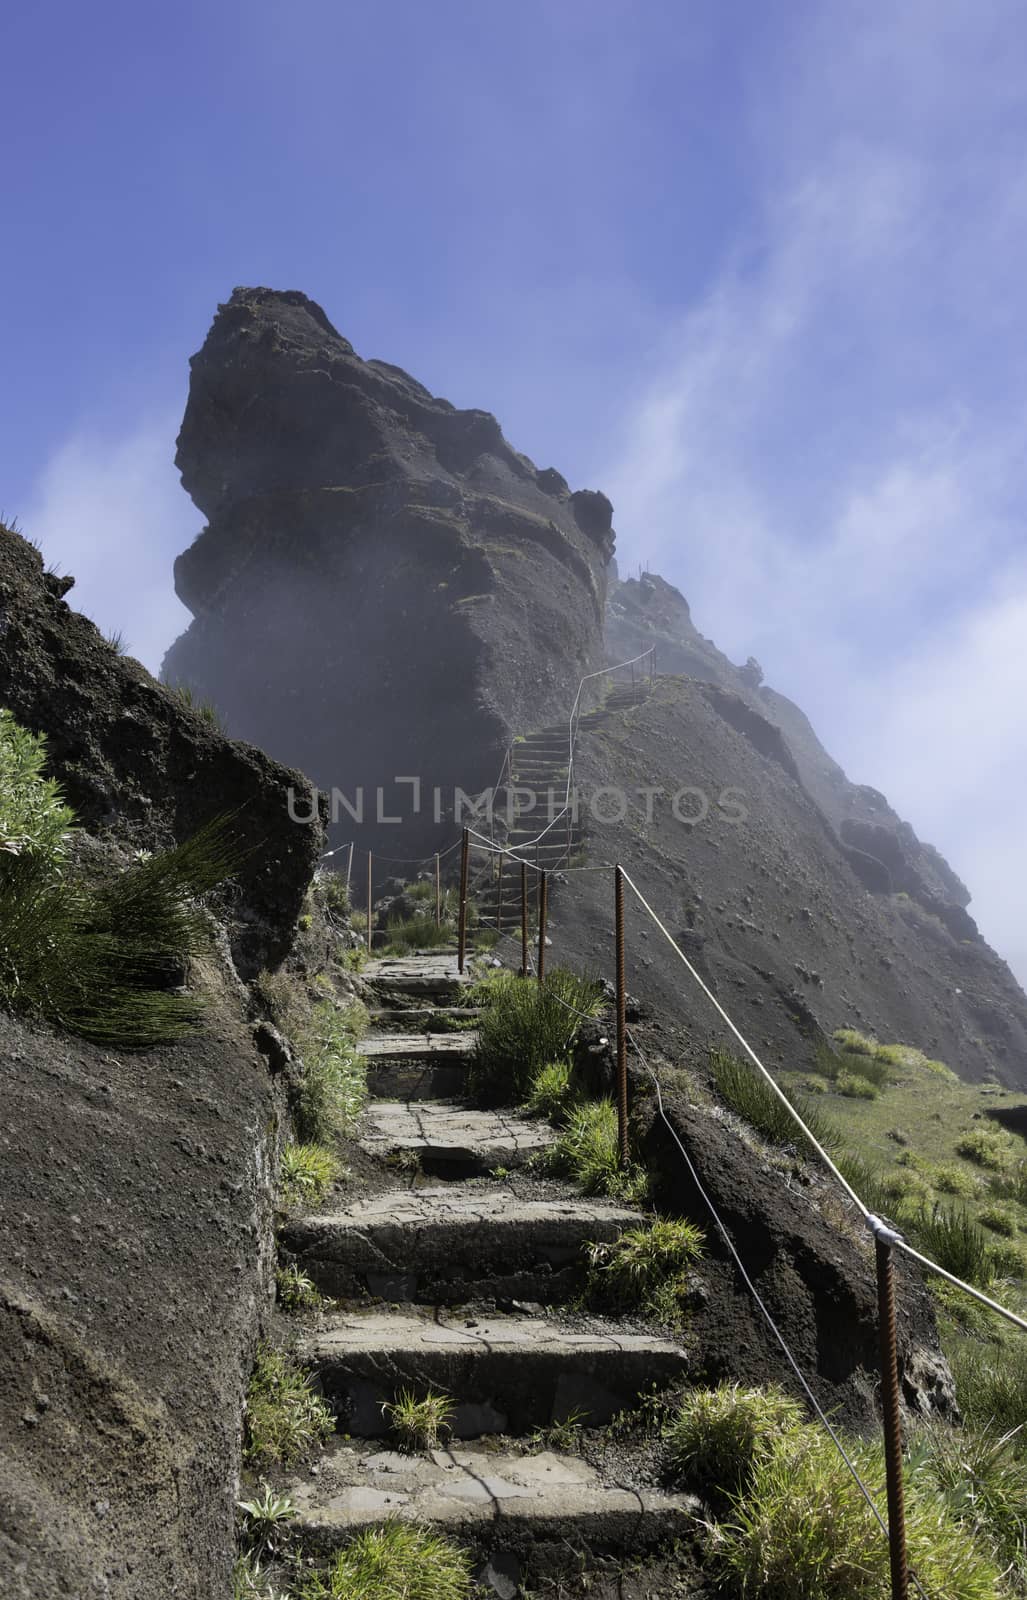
550	1093
399	1561
718	1435
295	1291
987	1147
646	1269
525	1026
855	1086
284	1416
333	1089
587	1150
752	1099
306	1174
419	1425
415	933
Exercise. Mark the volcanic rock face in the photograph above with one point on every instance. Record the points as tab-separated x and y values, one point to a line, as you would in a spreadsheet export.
385	587
882	850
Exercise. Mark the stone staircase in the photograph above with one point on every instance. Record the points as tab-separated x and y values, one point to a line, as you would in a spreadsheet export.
538	763
462	1283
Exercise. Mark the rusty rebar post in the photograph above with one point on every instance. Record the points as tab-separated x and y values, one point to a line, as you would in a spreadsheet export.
892	1419
543	900
369	897
465	856
438	892
499	898
622	1019
349	871
524	919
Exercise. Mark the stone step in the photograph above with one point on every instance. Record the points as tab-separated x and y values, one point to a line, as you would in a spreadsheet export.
443	1246
504	1502
446	1137
507	1374
417	1066
424	976
403	1019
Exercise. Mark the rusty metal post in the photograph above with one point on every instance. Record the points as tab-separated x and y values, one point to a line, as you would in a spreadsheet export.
543	899
622	1023
349	870
524	919
369	900
499	898
892	1419
438	892
465	854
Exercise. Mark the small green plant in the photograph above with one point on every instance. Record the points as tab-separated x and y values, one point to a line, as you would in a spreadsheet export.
860	1044
485	938
717	1436
34	819
948	1178
306	1174
563	1435
587	1150
117	641
333	1089
295	1291
415	933
398	1561
265	1520
1000	1219
955	1242
857	1088
419	1425
982	1483
206	709
525	1026
284	1416
988	1147
646	1268
274	995
991	1387
751	1098
1011	1184
550	1091
1006	1261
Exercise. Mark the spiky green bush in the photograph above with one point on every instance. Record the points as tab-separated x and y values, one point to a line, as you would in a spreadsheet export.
525	1026
989	1147
551	1092
420	1425
306	1174
717	1436
955	1242
745	1091
991	1386
284	1416
34	819
415	933
588	1151
646	1268
399	1561
333	1089
855	1086
106	959
982	1482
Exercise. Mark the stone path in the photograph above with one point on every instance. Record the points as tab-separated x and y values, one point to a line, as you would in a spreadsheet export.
470	1289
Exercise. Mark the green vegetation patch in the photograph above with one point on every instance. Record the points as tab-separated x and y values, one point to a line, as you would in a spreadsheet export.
524	1027
284	1416
752	1099
306	1174
333	1088
587	1150
646	1269
420	1425
399	1561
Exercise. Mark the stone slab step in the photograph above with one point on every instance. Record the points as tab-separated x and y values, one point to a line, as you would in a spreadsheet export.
417	1066
446	1136
506	1374
506	1499
445	1246
425	976
403	1019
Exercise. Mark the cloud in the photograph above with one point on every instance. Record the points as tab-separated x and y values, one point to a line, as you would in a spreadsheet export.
828	458
112	513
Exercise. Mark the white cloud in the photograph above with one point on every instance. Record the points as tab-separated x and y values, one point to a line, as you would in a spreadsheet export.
830	460
113	514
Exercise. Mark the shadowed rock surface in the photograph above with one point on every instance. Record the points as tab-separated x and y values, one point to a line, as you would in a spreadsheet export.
385	587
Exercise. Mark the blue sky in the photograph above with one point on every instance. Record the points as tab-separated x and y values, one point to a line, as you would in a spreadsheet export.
755	270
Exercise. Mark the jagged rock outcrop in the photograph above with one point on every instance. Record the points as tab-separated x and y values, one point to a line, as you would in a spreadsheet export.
881	848
385	587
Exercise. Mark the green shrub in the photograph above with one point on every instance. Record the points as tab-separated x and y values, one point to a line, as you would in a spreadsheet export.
717	1436
802	1531
988	1147
1000	1219
954	1241
525	1026
106	959
857	1088
333	1089
274	994
550	1093
744	1090
34	820
1006	1261
415	933
295	1291
307	1172
284	1416
419	1425
647	1268
1011	1184
948	1178
205	709
588	1151
858	1043
399	1561
991	1386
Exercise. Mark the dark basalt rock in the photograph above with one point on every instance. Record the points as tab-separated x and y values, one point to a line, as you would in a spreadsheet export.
385	587
142	768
